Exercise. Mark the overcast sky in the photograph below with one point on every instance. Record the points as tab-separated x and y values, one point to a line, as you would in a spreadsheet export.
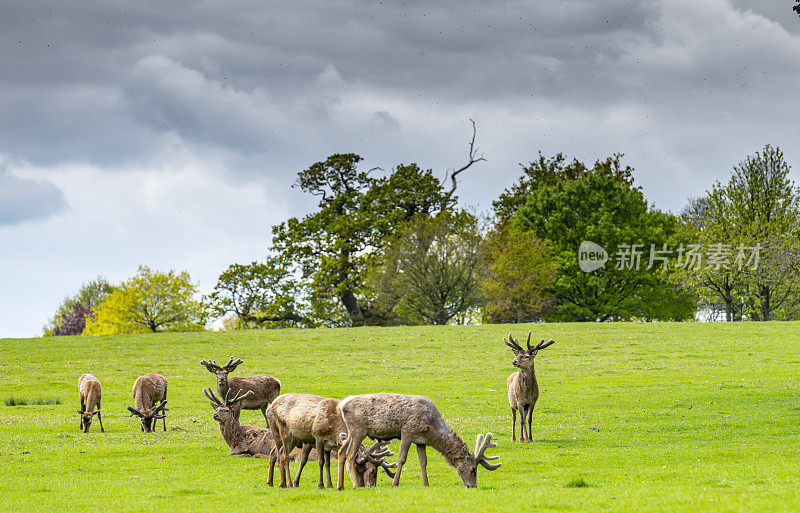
169	133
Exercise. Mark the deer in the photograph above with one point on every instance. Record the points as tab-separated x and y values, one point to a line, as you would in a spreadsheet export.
149	390
265	388
306	419
90	392
412	419
523	389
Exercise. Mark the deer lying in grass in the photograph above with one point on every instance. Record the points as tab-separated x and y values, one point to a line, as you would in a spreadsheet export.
265	388
90	391
245	440
306	419
149	390
412	419
523	390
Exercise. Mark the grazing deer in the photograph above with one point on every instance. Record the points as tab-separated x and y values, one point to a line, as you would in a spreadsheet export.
149	390
90	391
412	419
265	388
305	419
523	390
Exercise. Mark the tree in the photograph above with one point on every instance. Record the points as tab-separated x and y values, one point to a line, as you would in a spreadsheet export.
717	288
151	301
547	172
259	296
759	206
87	299
603	208
796	8
518	276
429	272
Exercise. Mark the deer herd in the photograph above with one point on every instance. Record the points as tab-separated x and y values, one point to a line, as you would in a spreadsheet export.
303	427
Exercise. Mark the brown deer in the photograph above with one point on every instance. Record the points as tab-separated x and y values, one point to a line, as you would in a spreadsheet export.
306	419
523	389
265	388
412	419
149	390
90	391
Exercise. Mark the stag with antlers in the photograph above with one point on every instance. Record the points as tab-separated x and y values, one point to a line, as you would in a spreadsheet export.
523	389
265	388
412	419
149	390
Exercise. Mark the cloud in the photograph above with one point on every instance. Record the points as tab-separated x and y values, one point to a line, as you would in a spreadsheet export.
24	200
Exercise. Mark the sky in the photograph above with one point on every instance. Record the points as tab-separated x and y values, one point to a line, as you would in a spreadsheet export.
169	134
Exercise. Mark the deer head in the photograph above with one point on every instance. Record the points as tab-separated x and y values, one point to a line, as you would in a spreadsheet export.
467	468
149	415
524	358
86	419
225	411
222	372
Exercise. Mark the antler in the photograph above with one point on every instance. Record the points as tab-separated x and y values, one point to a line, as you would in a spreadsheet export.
161	407
211	365
135	412
238	397
483	443
231	365
512	343
528	342
377	454
210	395
542	344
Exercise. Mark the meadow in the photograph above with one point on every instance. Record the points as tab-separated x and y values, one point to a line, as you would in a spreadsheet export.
632	417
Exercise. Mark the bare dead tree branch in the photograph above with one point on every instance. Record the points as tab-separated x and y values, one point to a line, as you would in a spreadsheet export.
472	160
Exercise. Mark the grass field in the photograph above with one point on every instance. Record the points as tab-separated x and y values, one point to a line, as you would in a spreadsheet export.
632	417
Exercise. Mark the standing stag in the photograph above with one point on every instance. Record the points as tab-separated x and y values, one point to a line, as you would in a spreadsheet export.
265	388
523	390
310	419
412	419
149	390
90	391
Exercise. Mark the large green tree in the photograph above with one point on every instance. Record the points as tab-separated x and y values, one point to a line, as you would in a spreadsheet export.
315	272
603	207
151	301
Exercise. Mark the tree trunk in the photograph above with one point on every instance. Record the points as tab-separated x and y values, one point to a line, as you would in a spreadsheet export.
351	305
765	307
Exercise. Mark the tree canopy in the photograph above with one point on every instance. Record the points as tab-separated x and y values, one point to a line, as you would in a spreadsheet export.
603	207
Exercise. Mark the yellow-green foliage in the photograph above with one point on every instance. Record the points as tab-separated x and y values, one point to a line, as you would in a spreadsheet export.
151	301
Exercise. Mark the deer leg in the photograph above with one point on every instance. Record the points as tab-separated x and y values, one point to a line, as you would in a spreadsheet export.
328	468
100	418
264	413
405	445
347	455
321	458
273	456
287	448
530	420
513	425
164	420
303	461
423	463
522	416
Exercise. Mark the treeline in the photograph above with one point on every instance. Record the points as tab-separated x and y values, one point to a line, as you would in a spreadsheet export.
395	248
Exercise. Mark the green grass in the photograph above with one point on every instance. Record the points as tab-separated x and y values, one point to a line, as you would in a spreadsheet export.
16	401
632	417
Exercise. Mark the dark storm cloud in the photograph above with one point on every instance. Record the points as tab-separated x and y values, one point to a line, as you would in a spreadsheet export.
267	83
